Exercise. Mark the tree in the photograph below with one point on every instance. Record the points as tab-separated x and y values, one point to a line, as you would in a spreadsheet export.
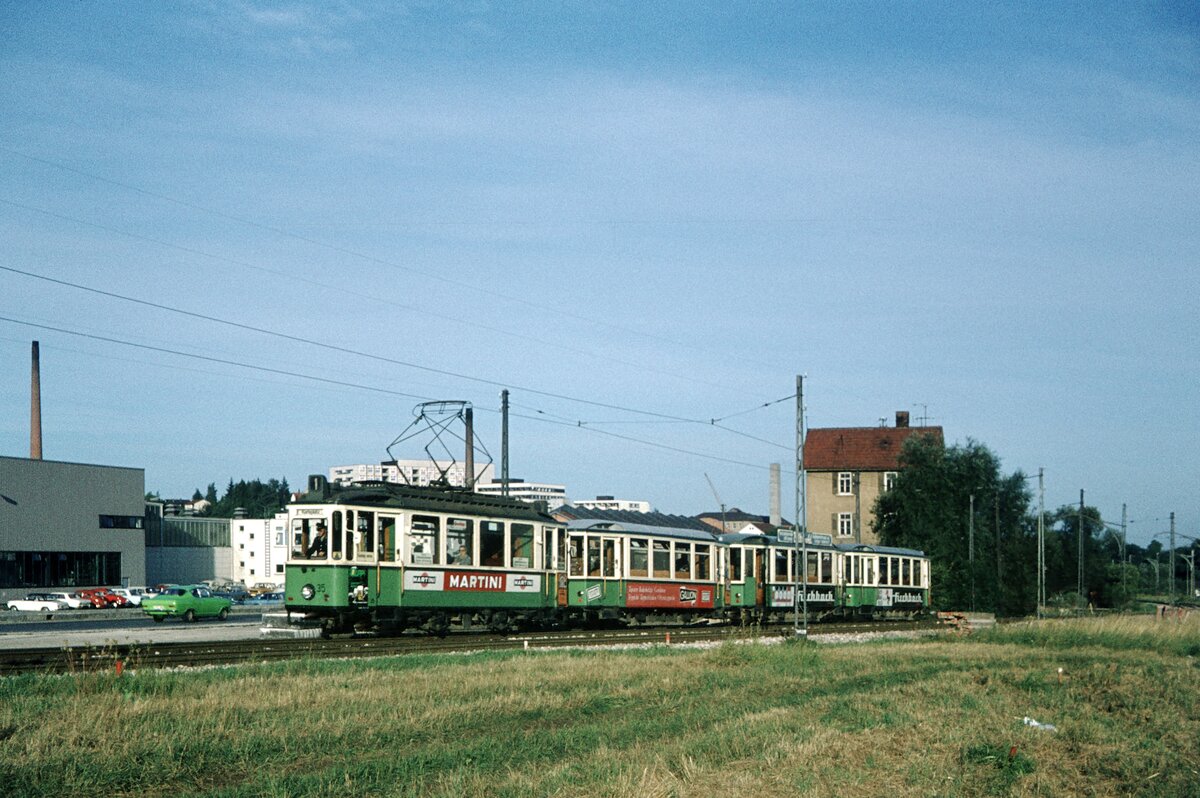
257	498
197	495
929	508
210	495
1062	556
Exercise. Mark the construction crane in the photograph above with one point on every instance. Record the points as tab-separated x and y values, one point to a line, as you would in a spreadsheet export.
717	496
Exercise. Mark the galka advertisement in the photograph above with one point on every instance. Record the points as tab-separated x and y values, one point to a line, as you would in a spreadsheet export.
665	596
474	581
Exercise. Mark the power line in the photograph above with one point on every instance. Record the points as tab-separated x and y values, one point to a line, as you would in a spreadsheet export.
330	287
211	359
343	349
339	249
375	389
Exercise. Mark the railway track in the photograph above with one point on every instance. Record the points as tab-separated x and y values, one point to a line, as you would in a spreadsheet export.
117	658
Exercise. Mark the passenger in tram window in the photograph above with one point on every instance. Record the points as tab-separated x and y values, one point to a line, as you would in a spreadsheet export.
319	543
463	557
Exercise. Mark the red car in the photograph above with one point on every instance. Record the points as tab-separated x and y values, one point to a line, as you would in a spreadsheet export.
102	597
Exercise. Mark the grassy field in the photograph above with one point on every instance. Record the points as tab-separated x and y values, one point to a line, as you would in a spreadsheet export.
928	717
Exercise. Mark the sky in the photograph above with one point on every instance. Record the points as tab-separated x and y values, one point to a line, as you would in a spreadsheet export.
251	237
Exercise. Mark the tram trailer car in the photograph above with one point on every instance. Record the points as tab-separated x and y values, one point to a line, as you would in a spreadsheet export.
842	580
391	557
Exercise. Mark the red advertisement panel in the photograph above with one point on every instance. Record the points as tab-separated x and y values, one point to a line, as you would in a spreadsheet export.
668	596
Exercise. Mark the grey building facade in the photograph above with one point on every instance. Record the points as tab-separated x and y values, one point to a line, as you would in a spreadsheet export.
70	525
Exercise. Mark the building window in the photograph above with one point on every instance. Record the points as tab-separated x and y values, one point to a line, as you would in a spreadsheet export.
122	522
279	568
889	480
845	483
845	527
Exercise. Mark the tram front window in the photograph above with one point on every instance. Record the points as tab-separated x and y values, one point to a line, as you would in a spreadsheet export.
310	539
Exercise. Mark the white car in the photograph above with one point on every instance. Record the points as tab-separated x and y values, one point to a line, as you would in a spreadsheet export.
37	602
72	600
131	594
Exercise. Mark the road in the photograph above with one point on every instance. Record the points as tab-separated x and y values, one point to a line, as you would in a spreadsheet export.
69	629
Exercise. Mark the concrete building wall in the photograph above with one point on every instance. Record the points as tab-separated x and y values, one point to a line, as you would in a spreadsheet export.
185	565
52	508
260	549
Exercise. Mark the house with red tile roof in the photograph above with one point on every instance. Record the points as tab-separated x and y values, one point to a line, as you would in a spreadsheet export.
848	468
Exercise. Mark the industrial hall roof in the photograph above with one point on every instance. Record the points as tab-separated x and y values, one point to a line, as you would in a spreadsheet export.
859	448
568	513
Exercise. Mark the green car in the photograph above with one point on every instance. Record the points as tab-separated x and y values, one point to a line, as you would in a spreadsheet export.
188	602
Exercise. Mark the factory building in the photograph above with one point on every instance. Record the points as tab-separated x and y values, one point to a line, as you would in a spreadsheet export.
68	525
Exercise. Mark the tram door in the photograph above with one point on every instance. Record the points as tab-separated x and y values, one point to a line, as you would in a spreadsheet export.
610	559
759	577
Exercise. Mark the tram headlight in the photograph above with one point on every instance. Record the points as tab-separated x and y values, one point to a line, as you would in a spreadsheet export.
308	591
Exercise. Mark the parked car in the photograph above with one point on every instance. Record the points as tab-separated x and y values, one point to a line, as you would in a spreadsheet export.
37	602
188	602
132	599
264	587
107	597
264	598
73	600
92	599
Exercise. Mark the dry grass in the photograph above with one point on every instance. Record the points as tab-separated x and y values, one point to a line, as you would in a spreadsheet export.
892	718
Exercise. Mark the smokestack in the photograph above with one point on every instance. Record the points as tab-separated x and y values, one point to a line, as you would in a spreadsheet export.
35	407
776	516
901	419
469	477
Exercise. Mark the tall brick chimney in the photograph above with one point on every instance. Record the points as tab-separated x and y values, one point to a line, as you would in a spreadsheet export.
35	407
901	419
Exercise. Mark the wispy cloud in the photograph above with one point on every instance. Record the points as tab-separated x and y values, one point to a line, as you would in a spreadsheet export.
306	29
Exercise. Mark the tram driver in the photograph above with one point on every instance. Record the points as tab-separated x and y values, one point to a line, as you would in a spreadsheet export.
320	542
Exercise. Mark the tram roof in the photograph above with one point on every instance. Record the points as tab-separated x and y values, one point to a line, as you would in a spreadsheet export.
622	528
427	499
869	549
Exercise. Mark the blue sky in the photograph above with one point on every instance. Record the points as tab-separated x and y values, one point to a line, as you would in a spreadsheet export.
982	215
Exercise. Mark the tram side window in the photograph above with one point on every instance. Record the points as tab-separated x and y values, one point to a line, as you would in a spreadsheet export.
387	538
349	537
555	540
593	556
366	535
810	571
576	557
522	545
703	561
826	567
337	533
781	565
906	572
424	540
639	557
683	560
895	571
735	565
918	573
869	571
662	558
460	541
491	543
883	570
